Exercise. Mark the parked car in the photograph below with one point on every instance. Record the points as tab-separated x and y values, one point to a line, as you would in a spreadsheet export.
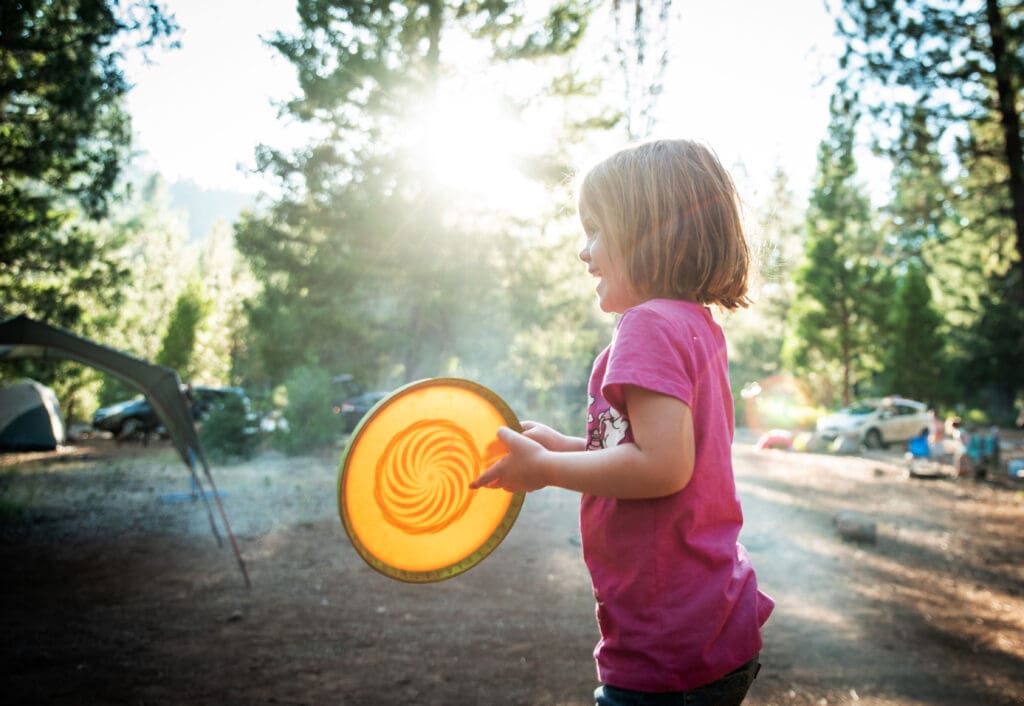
135	417
352	401
353	409
207	398
878	422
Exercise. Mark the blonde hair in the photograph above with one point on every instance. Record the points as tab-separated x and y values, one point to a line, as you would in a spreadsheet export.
671	211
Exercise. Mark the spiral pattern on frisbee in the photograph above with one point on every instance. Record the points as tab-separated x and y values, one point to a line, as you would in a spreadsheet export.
423	476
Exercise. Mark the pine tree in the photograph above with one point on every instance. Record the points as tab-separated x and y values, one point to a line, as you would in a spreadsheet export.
833	330
920	227
958	62
915	358
368	264
179	342
64	136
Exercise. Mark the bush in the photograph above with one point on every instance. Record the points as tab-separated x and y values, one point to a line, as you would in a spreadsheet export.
226	433
311	425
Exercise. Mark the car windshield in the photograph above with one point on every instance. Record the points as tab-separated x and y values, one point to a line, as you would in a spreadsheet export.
133	400
859	409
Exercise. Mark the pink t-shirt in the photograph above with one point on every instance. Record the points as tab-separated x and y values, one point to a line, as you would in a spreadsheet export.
677	599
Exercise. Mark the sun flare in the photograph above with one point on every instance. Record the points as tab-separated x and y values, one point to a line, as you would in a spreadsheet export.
473	148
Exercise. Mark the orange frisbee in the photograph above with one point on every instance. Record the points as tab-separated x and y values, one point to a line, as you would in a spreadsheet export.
403	486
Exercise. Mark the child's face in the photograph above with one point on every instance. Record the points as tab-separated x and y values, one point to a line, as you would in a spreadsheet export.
614	291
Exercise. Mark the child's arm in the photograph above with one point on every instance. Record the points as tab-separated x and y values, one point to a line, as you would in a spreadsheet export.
552	440
659	462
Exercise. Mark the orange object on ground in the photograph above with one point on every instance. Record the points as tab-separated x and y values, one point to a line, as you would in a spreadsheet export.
403	486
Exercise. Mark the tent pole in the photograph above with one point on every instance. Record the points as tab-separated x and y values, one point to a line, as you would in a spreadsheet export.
224	518
197	489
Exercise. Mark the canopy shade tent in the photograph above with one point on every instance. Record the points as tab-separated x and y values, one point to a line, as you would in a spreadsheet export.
22	337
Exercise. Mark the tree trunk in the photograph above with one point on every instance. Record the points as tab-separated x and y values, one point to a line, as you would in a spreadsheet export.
1010	121
435	21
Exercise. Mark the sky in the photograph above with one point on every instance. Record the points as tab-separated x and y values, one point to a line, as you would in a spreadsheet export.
742	79
198	112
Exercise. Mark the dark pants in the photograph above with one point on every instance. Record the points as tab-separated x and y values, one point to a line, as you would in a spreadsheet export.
730	690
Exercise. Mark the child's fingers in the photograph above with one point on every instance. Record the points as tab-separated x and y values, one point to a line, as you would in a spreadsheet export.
484	479
489	478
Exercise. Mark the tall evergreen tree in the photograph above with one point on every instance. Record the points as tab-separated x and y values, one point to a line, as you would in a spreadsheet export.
921	214
64	136
920	228
833	336
178	346
914	360
990	334
991	374
961	63
368	264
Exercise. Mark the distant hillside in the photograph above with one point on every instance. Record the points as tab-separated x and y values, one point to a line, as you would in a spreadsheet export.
206	206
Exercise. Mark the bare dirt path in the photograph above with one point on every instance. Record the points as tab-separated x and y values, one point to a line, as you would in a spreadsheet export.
112	595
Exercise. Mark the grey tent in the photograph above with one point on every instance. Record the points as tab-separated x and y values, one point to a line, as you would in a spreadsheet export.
22	337
30	418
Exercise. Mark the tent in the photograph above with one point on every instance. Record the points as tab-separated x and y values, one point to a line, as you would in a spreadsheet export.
22	337
30	418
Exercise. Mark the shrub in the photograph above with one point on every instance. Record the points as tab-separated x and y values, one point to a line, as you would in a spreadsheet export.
227	432
311	426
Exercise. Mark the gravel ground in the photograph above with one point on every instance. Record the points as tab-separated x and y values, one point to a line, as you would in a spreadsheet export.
116	591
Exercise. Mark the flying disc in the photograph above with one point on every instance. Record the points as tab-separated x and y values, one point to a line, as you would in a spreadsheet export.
403	486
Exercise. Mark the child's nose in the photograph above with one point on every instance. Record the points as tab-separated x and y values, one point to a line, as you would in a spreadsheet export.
585	253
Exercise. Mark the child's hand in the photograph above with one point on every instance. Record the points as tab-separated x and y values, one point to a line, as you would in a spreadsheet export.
523	469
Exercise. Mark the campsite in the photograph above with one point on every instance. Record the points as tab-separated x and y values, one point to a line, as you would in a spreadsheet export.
115	595
766	268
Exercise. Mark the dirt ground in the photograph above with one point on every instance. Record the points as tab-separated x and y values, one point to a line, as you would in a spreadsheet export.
115	590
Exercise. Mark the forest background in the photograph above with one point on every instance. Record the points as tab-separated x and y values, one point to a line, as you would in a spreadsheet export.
425	227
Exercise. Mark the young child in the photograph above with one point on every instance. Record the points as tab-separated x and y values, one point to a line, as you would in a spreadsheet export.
678	606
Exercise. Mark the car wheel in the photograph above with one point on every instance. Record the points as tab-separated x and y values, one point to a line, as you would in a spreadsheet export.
130	429
873	439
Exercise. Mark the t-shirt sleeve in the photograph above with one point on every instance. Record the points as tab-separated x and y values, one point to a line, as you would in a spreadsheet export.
649	351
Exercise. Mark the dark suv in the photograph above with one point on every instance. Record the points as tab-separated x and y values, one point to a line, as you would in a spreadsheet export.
352	402
135	417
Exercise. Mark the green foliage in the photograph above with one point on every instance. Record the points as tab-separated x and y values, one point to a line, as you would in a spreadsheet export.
311	424
951	73
152	252
991	374
915	364
555	331
756	334
921	224
219	355
63	137
369	263
842	288
179	341
226	433
956	66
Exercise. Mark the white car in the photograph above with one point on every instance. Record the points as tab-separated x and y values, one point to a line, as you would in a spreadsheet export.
877	422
